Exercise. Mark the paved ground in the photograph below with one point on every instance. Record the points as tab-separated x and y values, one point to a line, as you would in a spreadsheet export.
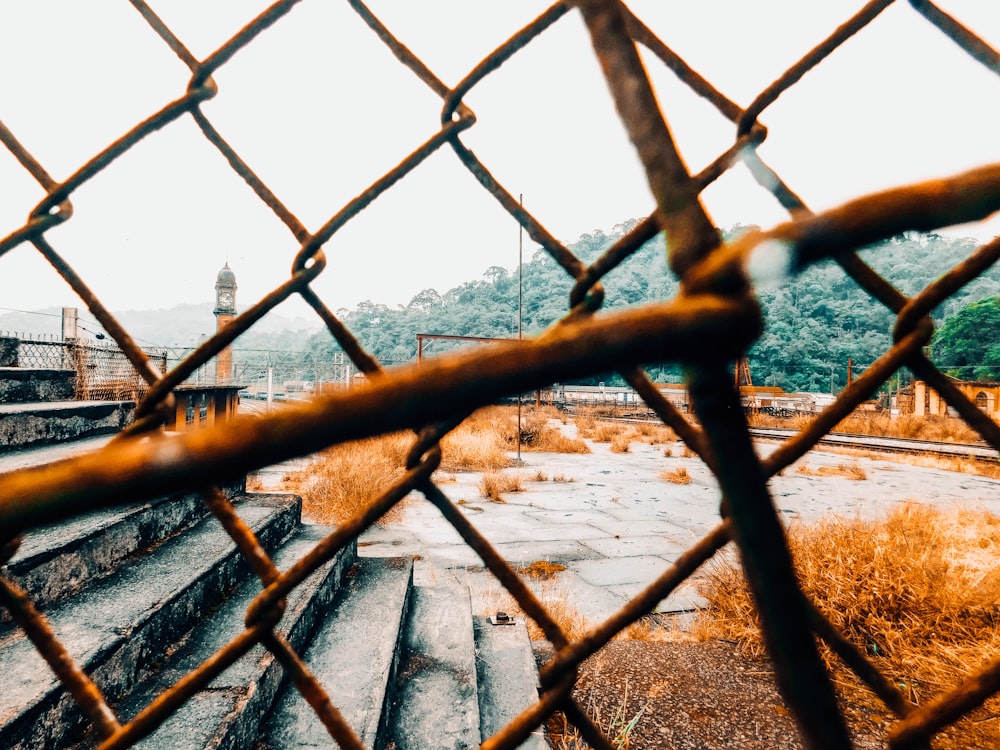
618	524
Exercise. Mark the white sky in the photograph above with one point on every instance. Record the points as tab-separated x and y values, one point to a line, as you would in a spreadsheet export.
320	109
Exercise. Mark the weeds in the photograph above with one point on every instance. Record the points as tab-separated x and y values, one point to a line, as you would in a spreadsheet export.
494	484
618	727
620	443
918	591
676	476
541	570
478	444
346	478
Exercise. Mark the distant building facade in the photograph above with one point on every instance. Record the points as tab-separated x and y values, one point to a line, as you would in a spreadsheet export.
984	394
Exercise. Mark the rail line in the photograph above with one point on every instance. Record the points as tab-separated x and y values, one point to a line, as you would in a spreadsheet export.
888	444
978	451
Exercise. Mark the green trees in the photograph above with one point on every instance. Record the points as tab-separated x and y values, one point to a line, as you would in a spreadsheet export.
814	322
967	346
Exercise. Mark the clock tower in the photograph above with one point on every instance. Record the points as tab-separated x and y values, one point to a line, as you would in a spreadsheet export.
225	310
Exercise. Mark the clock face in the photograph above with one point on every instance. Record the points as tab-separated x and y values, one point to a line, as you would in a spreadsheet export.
225	299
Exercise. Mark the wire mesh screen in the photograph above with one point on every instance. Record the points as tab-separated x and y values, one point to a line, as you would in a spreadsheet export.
102	371
706	327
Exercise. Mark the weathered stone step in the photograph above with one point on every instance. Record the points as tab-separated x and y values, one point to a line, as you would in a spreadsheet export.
230	711
21	458
117	629
435	704
57	561
22	384
507	677
354	654
24	425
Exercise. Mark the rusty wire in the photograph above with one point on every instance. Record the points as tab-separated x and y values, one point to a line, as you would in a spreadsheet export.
716	302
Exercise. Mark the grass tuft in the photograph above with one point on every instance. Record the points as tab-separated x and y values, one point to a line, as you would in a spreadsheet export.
676	476
620	443
346	478
494	484
541	570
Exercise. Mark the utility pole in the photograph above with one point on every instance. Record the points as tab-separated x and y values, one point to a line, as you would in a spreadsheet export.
520	299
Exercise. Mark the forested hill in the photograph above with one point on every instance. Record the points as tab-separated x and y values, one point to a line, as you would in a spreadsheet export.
815	322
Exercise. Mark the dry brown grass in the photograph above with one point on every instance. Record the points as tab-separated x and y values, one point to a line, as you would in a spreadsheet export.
676	476
850	471
346	478
882	424
541	570
621	443
605	432
537	431
478	444
918	591
494	484
653	433
562	478
564	614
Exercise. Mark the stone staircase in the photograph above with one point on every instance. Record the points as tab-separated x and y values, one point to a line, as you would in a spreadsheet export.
141	595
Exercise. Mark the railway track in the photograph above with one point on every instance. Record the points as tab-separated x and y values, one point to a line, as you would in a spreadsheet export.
978	451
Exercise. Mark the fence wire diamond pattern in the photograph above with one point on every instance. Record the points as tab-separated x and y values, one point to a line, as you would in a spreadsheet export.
716	304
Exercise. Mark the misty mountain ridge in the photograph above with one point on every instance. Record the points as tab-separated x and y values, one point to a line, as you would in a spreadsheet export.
179	326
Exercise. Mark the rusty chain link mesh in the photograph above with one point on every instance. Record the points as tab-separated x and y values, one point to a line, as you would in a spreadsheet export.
716	304
103	371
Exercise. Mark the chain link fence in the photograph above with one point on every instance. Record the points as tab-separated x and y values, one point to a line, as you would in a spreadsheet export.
712	322
102	370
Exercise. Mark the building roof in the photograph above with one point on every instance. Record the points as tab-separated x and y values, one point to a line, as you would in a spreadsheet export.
226	275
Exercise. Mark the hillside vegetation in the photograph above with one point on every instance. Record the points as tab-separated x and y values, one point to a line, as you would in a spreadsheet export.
814	322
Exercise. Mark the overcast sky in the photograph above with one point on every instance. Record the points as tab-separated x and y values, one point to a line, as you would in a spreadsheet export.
320	109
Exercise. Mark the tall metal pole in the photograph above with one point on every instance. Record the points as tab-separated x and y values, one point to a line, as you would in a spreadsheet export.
520	296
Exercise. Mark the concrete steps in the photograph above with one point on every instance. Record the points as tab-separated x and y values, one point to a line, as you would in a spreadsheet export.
123	624
410	667
436	703
141	596
24	425
354	654
57	561
229	712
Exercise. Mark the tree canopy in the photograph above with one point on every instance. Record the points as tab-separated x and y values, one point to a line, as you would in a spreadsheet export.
815	321
966	346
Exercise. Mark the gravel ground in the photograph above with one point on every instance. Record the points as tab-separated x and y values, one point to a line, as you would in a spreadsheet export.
706	696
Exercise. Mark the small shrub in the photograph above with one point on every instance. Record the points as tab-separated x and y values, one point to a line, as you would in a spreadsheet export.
478	444
539	476
620	443
345	479
562	478
676	476
541	570
494	484
605	432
